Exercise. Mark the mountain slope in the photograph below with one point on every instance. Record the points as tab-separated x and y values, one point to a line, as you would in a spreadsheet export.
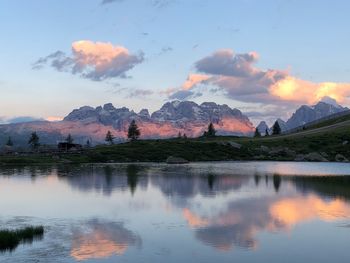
306	114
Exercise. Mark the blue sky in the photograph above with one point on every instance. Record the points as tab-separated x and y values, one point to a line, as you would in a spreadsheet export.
307	40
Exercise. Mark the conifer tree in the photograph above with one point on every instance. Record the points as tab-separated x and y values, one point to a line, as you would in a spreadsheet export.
267	132
69	139
34	141
211	130
257	133
9	142
133	131
276	129
109	138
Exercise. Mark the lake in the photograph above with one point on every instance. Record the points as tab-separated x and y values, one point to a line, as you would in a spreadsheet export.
199	212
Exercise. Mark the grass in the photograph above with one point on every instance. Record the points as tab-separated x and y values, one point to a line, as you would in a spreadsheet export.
10	239
330	122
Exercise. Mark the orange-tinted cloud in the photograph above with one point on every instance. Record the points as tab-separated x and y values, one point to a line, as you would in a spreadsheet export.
93	60
293	89
54	118
238	78
194	79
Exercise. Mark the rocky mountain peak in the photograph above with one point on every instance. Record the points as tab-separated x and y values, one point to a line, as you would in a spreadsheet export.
109	107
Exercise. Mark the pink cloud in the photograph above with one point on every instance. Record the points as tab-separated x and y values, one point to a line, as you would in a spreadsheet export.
93	60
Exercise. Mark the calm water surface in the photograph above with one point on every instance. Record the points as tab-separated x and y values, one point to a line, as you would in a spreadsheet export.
201	212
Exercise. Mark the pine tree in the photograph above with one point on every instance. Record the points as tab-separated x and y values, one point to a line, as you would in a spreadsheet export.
276	129
179	135
184	136
88	144
9	142
133	131
211	130
34	141
257	133
109	138
69	139
267	132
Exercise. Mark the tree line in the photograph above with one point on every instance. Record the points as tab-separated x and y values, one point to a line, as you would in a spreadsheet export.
276	130
134	133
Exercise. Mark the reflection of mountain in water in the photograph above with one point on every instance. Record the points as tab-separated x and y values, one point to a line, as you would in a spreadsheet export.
327	186
177	182
222	210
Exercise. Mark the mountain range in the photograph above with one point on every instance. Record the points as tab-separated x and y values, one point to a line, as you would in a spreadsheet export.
306	114
88	123
185	117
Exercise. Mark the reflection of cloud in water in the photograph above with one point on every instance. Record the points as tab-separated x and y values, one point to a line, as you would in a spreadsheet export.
238	225
244	219
291	211
101	240
194	220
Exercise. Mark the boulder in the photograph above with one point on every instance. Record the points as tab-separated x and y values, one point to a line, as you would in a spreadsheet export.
235	145
315	157
300	158
282	152
176	160
341	158
324	154
264	148
345	142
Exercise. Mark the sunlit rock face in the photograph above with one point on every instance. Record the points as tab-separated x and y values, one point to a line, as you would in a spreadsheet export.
88	123
173	117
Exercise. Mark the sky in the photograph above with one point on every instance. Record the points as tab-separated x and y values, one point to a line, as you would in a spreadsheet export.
265	58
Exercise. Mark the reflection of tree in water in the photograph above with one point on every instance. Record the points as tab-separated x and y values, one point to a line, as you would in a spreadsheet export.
108	171
33	170
257	179
211	180
72	169
276	182
132	174
327	186
104	178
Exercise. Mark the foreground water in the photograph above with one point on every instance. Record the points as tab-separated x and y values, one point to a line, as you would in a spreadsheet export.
207	212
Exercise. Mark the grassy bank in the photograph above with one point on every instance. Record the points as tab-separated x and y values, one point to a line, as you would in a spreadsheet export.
10	239
328	139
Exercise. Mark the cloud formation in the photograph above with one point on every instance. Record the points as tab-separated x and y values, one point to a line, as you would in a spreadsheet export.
154	3
225	62
93	60
238	78
297	90
110	1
